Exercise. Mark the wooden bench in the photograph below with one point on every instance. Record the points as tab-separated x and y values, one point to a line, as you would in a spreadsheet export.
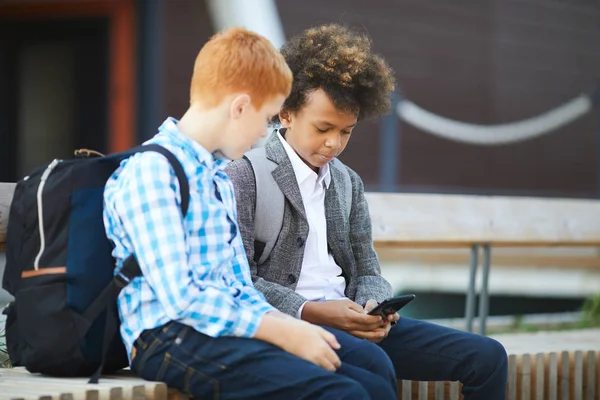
424	221
542	374
434	221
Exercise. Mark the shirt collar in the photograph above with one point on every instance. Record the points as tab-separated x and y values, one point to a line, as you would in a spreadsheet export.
303	171
214	161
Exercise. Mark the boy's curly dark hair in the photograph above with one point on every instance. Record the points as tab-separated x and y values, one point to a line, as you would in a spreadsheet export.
338	60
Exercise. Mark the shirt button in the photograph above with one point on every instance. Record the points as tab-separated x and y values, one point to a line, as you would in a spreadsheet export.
291	278
300	241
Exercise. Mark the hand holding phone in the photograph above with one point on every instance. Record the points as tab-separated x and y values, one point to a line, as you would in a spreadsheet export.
392	305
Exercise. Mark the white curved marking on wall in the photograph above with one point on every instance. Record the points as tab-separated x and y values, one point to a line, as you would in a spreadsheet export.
260	16
491	135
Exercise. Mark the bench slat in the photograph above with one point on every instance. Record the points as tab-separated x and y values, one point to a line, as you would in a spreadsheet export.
539	376
512	377
578	376
153	390
53	385
461	220
439	390
423	390
565	376
526	376
553	377
590	376
406	390
455	391
113	387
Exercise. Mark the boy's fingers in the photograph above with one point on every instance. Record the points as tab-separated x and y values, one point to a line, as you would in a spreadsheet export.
334	359
328	365
367	322
354	306
374	334
371	304
330	339
328	360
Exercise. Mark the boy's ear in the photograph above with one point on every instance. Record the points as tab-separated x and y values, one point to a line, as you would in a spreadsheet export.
239	105
286	118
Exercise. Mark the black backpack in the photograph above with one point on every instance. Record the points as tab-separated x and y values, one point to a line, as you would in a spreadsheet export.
64	320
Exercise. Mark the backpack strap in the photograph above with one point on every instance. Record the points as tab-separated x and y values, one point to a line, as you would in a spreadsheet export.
184	186
269	206
107	300
130	268
270	202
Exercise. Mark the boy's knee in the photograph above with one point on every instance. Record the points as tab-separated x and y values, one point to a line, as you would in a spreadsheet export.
492	356
336	387
349	390
382	364
371	357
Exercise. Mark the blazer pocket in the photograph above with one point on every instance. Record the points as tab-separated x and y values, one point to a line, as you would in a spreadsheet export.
259	247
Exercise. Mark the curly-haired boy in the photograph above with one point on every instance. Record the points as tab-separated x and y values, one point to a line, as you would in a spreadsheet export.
323	268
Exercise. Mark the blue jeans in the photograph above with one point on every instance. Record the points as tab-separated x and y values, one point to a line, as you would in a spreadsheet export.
427	352
236	368
423	351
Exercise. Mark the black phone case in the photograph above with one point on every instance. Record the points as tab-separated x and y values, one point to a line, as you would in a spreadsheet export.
393	305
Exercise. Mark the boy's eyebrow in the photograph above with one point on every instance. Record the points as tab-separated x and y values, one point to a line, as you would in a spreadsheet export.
330	124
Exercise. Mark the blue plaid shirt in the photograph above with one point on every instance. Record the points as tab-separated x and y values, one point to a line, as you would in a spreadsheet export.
195	270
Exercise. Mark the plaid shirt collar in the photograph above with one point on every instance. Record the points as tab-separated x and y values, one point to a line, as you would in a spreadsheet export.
216	161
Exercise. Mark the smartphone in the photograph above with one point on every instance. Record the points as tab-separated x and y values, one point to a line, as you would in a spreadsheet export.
392	305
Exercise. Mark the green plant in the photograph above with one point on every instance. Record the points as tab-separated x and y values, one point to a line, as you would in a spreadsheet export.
4	358
591	310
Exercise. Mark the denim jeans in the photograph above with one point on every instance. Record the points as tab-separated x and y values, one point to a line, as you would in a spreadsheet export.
238	368
427	352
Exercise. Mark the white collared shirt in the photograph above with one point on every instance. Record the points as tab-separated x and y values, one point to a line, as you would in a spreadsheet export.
320	278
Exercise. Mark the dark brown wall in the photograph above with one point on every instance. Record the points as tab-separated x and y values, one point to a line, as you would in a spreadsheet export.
483	62
187	26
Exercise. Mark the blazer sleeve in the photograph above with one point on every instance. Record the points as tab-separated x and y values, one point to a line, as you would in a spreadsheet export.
244	183
370	283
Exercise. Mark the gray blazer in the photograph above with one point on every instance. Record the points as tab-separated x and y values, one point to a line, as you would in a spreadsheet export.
350	241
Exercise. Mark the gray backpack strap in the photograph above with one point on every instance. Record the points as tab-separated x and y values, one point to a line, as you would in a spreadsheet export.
268	215
345	187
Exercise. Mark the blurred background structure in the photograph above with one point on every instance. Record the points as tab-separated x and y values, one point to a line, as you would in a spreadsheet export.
103	74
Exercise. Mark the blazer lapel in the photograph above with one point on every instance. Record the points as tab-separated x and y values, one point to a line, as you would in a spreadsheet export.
284	173
335	215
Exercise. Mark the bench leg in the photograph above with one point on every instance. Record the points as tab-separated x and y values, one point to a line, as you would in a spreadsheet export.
484	300
470	303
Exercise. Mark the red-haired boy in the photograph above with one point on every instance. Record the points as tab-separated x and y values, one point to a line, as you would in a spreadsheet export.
194	320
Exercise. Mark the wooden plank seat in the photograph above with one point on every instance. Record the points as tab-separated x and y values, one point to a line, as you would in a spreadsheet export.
567	374
17	383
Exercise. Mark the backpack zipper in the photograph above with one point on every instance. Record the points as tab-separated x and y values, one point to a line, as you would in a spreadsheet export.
40	211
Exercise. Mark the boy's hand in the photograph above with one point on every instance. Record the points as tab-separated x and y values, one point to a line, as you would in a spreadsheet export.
345	315
313	344
302	339
380	333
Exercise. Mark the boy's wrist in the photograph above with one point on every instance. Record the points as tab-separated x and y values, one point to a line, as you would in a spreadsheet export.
272	328
312	312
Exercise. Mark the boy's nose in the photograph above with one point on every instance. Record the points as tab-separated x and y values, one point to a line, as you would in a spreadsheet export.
334	142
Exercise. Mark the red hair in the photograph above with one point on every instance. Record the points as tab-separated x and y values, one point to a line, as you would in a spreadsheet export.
238	60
